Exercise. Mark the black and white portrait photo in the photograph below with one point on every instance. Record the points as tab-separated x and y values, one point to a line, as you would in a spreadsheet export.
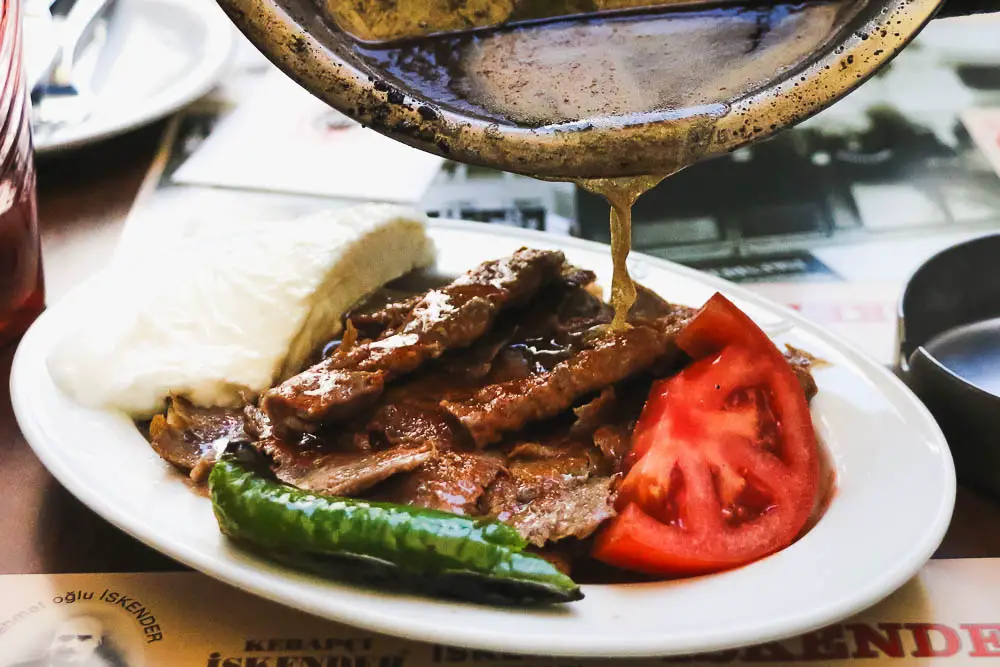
79	641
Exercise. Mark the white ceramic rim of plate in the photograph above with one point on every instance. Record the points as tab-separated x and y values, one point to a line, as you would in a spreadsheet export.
421	618
199	81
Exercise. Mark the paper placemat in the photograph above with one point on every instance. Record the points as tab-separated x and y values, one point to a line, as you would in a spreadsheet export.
948	615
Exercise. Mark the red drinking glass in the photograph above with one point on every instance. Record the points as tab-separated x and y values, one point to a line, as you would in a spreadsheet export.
22	295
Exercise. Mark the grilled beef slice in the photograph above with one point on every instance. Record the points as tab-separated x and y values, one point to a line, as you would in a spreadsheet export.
802	364
608	421
341	473
552	491
191	437
650	309
562	484
450	317
453	482
410	421
341	463
523	346
508	406
389	314
595	413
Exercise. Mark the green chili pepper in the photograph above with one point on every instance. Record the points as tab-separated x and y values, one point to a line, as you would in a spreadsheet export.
437	551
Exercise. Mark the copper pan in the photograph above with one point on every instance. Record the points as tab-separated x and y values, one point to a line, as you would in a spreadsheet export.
809	67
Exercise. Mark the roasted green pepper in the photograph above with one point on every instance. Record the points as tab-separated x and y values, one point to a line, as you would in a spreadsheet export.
436	551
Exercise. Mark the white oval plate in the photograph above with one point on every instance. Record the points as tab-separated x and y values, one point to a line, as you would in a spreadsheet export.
896	491
161	55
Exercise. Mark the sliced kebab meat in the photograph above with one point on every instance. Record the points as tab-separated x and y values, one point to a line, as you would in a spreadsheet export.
453	316
508	406
534	363
340	473
391	313
550	492
453	482
191	437
503	393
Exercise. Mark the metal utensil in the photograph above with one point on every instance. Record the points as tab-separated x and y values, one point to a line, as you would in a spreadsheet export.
64	98
578	98
40	42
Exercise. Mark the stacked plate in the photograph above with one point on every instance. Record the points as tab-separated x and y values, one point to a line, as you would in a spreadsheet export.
139	61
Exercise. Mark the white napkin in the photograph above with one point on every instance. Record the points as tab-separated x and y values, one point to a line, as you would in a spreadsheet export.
286	140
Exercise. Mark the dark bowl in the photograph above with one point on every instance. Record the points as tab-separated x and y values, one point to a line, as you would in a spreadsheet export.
949	353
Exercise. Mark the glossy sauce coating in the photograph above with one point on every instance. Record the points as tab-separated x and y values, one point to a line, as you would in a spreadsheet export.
621	193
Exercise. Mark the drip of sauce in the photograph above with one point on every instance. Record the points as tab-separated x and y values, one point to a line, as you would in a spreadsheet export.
621	194
680	71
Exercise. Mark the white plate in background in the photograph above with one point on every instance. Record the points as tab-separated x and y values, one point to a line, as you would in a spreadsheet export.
894	499
160	56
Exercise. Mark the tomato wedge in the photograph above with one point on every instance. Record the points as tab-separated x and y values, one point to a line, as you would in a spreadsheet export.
724	464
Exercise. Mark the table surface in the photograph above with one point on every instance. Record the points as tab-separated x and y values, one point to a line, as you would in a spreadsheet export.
83	200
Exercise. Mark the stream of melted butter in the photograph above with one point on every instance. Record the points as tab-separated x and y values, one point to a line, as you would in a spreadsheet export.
621	194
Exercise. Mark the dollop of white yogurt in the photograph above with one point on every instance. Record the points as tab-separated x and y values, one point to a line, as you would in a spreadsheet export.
219	316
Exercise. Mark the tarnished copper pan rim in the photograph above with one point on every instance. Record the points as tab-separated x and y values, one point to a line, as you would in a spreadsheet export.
291	34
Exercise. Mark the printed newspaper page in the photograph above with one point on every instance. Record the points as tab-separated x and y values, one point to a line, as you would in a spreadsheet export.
949	615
